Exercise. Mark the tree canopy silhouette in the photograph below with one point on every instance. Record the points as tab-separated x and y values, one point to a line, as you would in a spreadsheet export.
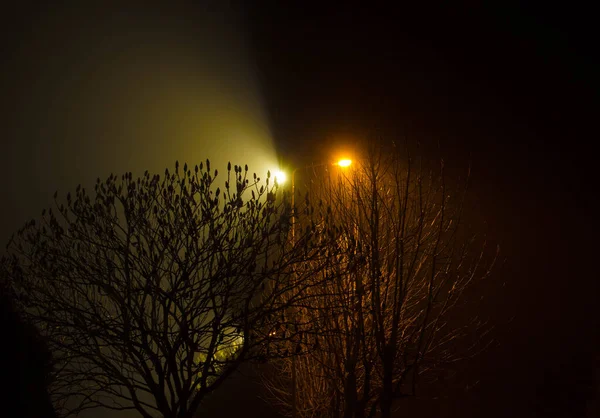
152	291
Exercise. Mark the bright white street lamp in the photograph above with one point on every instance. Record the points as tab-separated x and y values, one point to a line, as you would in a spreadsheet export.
279	177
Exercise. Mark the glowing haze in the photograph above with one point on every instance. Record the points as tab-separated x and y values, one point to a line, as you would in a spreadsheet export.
129	91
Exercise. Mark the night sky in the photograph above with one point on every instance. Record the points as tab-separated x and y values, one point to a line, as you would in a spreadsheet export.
511	89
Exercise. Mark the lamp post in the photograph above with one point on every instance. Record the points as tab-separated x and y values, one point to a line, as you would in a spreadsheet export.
346	162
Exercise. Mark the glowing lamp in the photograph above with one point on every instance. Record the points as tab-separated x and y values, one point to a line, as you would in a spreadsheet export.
279	177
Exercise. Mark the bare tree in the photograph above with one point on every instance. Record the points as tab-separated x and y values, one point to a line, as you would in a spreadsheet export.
379	317
152	291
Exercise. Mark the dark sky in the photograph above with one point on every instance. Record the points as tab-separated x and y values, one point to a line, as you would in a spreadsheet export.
511	87
514	87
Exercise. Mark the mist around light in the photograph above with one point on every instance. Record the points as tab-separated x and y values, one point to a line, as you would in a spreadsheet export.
129	91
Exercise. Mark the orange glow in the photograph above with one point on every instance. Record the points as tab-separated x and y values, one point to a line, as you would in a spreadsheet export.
344	162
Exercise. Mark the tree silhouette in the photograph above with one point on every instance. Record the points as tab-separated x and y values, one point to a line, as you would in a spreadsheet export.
378	318
152	291
27	363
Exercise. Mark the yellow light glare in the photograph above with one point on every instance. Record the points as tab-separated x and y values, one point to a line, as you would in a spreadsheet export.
279	177
344	163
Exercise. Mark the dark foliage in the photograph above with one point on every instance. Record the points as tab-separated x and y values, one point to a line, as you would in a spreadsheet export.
26	363
152	291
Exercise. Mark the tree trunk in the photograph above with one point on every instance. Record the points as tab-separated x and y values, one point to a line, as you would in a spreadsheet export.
387	395
350	394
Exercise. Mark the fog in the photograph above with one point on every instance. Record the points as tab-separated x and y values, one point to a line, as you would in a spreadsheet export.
89	92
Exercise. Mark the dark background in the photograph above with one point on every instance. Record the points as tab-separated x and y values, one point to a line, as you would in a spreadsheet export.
511	89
